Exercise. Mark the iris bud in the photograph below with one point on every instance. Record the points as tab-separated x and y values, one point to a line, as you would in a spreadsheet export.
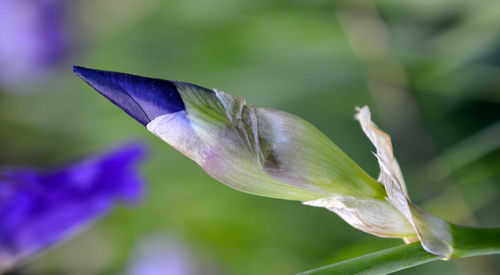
260	151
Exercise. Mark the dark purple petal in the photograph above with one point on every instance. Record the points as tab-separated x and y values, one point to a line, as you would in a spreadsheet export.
39	209
142	98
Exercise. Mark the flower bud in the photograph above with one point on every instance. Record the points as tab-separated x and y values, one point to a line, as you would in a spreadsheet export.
263	151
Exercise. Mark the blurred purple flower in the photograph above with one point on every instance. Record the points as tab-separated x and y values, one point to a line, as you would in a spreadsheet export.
158	254
39	209
33	39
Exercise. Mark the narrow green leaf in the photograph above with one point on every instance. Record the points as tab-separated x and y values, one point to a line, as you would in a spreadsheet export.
381	262
468	241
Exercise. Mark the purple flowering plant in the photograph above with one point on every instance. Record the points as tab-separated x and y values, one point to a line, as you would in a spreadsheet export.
34	40
161	254
39	209
270	153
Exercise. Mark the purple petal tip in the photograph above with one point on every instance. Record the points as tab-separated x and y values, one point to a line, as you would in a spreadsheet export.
142	98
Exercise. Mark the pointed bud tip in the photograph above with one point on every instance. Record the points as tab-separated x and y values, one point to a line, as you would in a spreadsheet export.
142	98
77	69
84	73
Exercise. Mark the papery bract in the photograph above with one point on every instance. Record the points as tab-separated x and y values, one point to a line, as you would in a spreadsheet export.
433	232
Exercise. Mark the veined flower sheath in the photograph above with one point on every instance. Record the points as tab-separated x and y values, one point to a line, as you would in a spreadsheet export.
275	154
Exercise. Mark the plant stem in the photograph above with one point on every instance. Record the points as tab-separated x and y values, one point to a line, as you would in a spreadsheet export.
475	241
468	241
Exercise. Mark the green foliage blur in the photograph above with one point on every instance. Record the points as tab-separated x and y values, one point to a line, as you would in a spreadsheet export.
430	71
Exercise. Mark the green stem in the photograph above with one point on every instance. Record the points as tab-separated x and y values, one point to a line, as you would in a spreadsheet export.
468	241
474	241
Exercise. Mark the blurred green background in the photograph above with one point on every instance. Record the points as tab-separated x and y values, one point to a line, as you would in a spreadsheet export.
430	71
